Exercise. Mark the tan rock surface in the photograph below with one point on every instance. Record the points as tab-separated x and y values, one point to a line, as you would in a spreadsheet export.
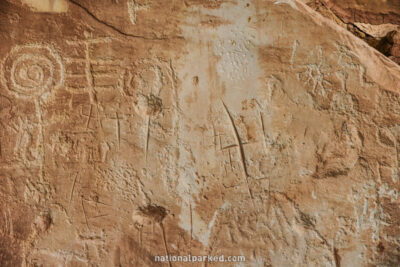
131	129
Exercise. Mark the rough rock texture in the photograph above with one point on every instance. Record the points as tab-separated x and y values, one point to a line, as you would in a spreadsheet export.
131	129
377	22
367	11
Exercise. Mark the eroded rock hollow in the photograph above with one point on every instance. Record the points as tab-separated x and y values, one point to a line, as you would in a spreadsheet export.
134	129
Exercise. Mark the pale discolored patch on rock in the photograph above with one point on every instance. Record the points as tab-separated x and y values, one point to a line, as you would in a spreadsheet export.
52	6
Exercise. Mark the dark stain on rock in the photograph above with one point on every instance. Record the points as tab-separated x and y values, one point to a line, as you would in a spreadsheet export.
337	257
9	251
155	212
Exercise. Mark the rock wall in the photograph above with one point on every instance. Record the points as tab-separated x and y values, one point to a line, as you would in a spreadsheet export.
134	129
377	22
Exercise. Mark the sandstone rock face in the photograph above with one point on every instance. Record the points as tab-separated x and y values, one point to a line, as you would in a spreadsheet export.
366	11
377	22
131	129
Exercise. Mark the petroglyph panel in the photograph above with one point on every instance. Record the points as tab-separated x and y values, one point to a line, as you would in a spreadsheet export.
134	128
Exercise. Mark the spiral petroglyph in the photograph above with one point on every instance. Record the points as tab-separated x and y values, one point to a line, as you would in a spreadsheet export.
32	70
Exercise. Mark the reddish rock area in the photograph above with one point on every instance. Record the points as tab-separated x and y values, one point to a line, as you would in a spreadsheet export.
366	11
377	22
259	130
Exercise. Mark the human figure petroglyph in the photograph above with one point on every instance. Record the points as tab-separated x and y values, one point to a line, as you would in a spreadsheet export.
144	82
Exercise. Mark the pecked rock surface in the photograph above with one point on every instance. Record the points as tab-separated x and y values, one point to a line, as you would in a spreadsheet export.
131	129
